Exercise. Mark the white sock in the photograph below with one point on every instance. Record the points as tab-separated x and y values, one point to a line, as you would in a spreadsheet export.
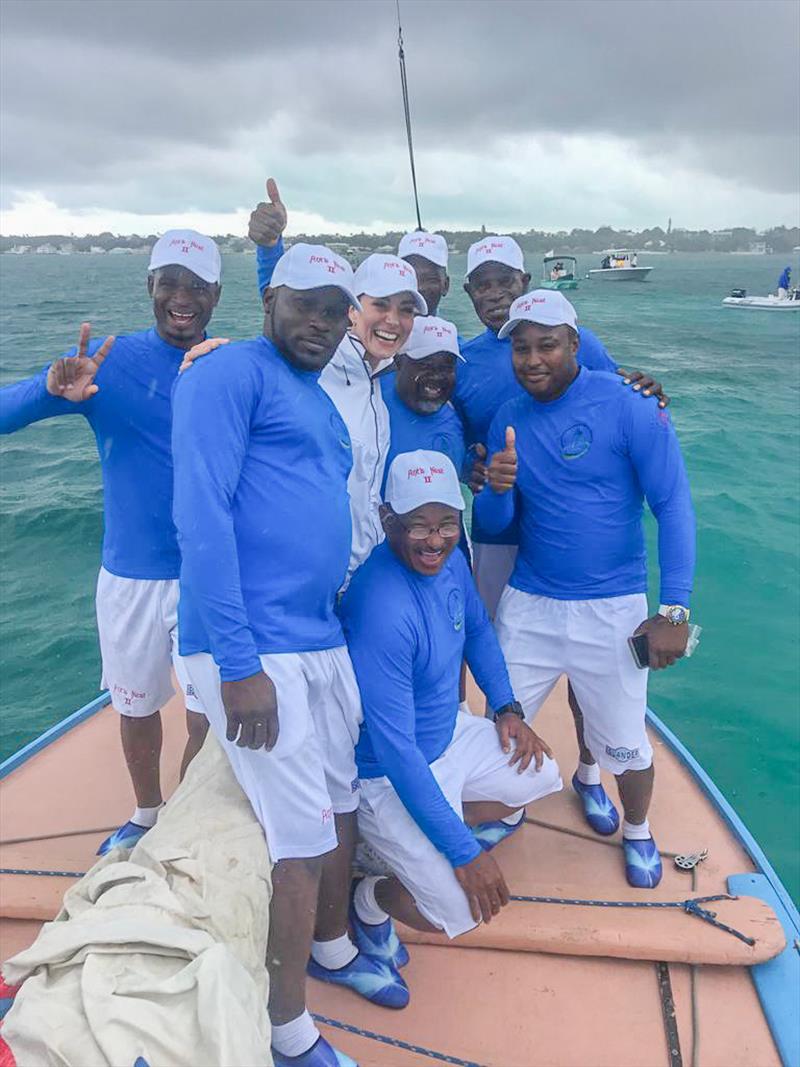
334	954
367	907
517	817
636	831
588	774
464	706
295	1037
147	816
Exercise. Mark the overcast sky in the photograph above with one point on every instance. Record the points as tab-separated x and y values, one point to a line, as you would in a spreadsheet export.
137	116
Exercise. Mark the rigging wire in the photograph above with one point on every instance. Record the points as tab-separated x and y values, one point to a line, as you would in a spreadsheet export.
407	112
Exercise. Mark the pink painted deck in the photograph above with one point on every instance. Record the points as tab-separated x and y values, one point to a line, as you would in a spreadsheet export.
542	985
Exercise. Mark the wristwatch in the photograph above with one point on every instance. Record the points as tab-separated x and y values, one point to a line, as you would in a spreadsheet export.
677	614
514	708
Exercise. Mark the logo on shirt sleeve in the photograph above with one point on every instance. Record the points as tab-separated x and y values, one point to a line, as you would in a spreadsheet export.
340	429
576	441
455	608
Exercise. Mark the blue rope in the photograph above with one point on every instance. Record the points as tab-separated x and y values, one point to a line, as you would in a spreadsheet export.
690	906
395	1042
49	874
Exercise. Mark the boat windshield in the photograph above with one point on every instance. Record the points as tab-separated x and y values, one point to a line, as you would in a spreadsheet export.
554	268
615	258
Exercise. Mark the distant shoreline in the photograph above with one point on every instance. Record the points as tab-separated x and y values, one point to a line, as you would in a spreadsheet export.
656	241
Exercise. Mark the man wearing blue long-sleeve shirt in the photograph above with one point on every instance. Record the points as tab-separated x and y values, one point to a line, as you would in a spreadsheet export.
417	393
123	389
428	770
572	460
262	458
495	277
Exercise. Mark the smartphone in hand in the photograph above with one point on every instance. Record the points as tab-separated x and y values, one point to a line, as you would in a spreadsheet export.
640	650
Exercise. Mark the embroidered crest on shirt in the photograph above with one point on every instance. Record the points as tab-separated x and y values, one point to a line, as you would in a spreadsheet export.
455	608
576	441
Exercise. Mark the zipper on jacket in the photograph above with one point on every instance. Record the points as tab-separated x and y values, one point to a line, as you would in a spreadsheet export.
365	365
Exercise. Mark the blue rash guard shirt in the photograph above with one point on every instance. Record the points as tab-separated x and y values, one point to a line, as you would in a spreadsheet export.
585	463
487	380
266	258
261	461
407	634
440	432
131	419
784	282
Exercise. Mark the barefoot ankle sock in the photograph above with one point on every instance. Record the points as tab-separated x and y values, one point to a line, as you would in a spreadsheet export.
636	831
335	953
147	816
517	817
367	907
295	1037
588	774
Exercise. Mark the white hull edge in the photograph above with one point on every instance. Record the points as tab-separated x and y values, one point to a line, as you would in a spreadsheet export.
761	303
621	274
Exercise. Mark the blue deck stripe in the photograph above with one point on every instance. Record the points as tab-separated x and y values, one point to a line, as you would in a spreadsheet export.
777	981
53	734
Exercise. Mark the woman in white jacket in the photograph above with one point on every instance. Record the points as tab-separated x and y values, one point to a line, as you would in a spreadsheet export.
387	289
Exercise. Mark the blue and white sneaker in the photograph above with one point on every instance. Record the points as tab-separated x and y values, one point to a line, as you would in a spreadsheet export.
321	1054
489	834
642	863
375	980
600	813
125	837
378	941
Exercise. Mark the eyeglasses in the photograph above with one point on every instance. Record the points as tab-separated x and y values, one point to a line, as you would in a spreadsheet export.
420	533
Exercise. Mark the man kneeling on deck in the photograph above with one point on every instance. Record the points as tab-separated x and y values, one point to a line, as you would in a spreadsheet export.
429	771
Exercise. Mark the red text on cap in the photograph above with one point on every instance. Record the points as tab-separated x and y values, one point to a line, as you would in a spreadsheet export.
331	264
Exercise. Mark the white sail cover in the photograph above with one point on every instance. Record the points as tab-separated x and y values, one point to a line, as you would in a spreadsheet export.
159	953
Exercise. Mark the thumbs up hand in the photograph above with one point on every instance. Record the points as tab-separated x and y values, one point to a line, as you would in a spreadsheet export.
502	472
268	221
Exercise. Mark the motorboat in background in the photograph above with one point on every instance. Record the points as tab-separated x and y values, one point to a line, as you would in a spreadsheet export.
559	272
620	265
770	302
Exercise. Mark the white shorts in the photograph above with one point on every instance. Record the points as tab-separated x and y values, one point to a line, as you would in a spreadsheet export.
137	621
310	775
543	638
492	566
472	767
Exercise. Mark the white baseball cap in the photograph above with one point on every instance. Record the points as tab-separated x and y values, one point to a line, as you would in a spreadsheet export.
305	266
431	246
381	275
545	307
495	249
430	335
190	249
421	477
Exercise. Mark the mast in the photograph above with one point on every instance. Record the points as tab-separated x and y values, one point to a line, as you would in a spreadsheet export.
407	112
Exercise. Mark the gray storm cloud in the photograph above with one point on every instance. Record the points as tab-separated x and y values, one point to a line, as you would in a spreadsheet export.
120	104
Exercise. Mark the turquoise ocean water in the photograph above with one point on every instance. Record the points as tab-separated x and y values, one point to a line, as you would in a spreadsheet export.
734	377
